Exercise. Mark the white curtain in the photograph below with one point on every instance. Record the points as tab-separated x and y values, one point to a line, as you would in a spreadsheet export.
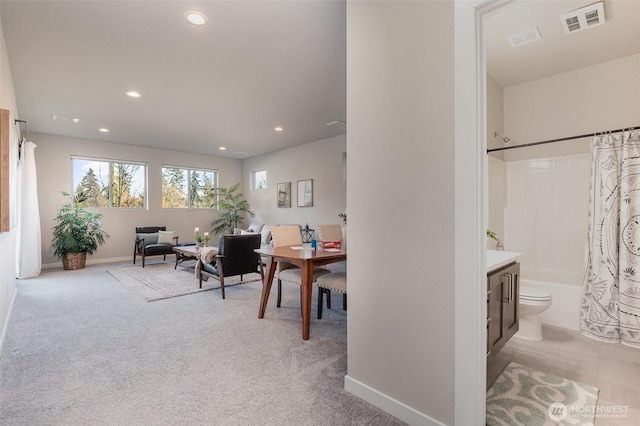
610	306
29	257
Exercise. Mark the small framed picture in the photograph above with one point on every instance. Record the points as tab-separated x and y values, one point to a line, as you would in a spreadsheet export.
305	193
284	194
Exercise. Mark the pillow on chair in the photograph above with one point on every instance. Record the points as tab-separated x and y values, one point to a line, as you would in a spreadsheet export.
165	237
151	238
255	227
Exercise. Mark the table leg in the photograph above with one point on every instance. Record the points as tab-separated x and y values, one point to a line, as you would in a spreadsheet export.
266	286
177	259
306	283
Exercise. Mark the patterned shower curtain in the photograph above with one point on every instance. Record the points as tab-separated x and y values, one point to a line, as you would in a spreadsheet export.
610	306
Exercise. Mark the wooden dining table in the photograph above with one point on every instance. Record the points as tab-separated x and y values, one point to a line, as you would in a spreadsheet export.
305	258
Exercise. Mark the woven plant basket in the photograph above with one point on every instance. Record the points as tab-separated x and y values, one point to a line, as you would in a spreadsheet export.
73	261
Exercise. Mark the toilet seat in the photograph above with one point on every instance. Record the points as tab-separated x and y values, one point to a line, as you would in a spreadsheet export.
534	294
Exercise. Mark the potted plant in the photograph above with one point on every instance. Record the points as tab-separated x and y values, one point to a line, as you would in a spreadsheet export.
78	232
232	209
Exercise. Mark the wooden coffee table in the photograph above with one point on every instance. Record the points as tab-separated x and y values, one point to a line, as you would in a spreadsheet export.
184	253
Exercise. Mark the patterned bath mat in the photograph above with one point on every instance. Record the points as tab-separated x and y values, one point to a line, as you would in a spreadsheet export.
161	281
522	396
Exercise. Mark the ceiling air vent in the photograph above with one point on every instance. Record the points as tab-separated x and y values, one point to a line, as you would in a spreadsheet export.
525	37
583	18
337	124
65	119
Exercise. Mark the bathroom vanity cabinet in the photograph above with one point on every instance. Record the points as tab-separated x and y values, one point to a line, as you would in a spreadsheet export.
503	285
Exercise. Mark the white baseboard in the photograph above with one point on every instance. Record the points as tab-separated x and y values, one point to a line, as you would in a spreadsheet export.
388	404
90	262
6	320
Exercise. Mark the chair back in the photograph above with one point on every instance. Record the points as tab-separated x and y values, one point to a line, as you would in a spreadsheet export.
286	235
330	232
149	229
239	255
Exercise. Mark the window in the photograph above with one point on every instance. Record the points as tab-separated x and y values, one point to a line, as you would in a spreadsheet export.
109	183
260	179
184	188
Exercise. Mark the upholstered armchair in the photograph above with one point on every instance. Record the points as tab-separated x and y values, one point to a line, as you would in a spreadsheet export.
235	256
153	241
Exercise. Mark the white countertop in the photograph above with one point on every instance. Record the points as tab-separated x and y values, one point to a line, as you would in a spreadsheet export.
498	258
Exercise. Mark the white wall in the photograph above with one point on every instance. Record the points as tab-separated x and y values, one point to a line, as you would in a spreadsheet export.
53	161
400	192
320	161
588	100
7	239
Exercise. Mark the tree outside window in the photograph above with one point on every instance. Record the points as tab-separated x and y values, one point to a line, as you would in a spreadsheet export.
187	188
109	183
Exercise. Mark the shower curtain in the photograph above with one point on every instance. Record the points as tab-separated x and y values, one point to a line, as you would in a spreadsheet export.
610	306
29	257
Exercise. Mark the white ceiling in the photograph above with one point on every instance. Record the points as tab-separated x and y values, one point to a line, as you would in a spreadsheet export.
254	66
557	52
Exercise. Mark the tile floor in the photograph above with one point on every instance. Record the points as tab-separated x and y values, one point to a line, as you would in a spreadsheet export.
613	368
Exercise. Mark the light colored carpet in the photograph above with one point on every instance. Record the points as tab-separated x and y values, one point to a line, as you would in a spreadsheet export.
161	281
81	349
522	396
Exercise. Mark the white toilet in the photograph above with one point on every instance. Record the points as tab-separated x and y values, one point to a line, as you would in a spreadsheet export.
533	302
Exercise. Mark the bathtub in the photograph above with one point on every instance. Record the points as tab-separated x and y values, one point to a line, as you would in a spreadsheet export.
565	290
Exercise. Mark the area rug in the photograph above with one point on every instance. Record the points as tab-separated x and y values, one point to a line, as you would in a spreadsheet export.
522	396
161	281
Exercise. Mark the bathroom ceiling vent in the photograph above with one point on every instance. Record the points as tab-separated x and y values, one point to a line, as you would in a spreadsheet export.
525	37
583	18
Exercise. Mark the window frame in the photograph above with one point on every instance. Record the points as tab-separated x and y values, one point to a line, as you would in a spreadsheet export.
111	162
215	172
254	180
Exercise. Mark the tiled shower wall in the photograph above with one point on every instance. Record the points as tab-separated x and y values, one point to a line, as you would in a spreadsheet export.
546	216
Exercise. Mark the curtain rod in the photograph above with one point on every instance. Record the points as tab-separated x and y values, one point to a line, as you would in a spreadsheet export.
561	139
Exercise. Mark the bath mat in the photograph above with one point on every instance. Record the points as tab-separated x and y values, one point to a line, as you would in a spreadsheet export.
522	396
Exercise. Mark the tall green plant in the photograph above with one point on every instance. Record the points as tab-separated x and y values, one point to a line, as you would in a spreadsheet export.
77	229
232	209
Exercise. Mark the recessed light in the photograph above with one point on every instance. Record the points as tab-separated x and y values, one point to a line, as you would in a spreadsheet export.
278	129
196	18
133	94
104	130
223	148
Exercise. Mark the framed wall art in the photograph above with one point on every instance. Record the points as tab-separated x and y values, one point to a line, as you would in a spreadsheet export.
5	171
284	194
305	193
